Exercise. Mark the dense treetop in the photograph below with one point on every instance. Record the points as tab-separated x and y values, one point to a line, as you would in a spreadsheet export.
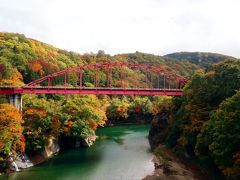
206	118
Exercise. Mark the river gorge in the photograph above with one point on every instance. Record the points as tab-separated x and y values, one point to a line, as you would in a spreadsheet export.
120	152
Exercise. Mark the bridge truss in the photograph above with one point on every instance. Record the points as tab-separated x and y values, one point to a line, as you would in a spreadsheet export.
120	78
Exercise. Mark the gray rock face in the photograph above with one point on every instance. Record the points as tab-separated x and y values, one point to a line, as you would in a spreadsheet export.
89	140
52	147
21	162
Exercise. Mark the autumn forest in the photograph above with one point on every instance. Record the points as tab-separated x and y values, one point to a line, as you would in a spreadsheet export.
202	125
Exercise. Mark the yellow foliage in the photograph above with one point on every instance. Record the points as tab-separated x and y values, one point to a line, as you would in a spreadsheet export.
15	78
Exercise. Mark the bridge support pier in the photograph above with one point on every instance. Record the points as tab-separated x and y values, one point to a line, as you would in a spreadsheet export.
16	100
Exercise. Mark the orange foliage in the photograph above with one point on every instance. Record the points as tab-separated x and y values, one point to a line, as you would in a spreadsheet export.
66	128
69	123
47	66
17	76
36	67
8	113
41	52
138	110
21	144
35	111
1	146
120	83
10	128
93	125
56	125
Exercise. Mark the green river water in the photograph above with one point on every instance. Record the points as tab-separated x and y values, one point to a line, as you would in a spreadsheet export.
121	152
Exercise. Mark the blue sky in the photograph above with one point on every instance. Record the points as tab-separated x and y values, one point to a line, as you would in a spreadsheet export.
122	26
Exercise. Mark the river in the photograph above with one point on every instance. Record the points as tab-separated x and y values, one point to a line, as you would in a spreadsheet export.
120	152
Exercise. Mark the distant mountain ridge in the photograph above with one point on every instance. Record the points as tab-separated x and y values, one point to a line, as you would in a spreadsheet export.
203	59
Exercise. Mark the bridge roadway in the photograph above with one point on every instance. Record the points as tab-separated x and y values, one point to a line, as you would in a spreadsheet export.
87	90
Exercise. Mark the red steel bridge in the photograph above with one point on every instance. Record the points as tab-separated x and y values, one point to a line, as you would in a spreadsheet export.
113	78
142	79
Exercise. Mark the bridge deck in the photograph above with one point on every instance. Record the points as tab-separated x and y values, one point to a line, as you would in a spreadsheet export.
86	90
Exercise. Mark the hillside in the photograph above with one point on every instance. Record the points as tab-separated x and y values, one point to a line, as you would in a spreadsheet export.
193	128
203	124
184	68
203	59
23	59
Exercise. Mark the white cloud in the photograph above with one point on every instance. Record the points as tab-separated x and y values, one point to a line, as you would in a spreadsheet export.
117	26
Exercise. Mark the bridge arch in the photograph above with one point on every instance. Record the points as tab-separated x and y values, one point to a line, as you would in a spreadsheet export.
118	78
140	76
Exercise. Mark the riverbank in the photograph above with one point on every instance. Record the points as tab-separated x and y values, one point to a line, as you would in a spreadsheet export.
168	166
120	152
131	120
53	147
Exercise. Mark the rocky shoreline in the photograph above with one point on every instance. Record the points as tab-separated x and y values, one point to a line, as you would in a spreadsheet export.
169	167
23	161
53	147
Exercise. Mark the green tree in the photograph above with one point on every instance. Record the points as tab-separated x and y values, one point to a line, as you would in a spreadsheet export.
202	95
118	109
220	137
161	102
39	115
85	114
141	105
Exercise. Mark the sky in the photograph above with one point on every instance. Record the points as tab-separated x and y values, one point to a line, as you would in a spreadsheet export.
125	26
